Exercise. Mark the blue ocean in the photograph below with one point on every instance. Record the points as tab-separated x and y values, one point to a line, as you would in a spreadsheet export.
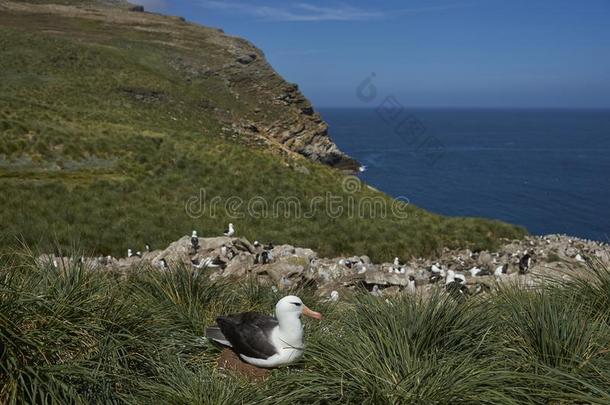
548	170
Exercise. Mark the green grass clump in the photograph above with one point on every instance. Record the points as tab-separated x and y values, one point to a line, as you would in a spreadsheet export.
76	335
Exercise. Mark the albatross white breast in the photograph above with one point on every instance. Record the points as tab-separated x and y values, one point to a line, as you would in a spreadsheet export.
262	340
229	231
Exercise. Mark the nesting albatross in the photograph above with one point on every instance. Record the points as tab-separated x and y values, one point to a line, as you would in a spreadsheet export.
262	340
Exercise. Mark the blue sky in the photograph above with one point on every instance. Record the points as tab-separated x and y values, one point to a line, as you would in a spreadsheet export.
427	53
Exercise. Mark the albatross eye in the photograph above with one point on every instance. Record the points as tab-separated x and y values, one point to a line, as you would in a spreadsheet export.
298	304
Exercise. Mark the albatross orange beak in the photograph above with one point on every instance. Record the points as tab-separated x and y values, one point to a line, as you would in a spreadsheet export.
312	314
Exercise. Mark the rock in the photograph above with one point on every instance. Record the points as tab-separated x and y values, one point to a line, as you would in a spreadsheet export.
290	251
284	269
246	59
239	265
137	9
570	251
485	259
244	245
130	262
384	278
556	256
288	265
325	271
307	110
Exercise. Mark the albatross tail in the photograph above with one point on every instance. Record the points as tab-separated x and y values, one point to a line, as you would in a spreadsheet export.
214	333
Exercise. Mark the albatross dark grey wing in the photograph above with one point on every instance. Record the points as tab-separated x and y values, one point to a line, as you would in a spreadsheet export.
214	333
249	333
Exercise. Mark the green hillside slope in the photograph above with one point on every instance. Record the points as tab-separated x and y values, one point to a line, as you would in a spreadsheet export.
120	128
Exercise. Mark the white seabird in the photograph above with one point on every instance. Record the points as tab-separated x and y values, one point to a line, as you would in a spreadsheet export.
376	291
450	277
474	271
194	240
454	285
262	340
411	285
525	263
230	231
453	276
334	296
436	268
501	270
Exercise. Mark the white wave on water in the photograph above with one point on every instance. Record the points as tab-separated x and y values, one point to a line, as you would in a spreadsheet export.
362	168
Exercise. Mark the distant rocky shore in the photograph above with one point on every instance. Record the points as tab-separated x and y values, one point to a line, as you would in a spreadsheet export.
286	266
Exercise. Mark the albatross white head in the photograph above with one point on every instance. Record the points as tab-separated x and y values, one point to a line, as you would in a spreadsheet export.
288	312
291	307
288	336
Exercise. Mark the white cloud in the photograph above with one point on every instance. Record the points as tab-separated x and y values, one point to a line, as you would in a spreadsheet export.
297	12
312	12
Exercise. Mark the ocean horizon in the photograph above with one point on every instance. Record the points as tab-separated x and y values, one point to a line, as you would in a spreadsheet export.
543	168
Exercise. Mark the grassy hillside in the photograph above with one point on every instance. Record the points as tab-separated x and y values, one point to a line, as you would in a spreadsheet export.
94	337
110	121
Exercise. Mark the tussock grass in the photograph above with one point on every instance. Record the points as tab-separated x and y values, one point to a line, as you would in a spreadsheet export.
77	336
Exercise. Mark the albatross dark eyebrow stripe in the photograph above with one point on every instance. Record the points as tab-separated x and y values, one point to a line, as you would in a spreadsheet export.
298	304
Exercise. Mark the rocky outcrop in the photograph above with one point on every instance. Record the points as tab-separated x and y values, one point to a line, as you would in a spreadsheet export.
276	110
299	129
286	266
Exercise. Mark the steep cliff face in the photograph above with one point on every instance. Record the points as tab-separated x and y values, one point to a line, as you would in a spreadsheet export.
276	110
239	89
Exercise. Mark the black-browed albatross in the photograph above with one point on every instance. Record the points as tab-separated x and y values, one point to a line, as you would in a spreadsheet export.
262	340
230	231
